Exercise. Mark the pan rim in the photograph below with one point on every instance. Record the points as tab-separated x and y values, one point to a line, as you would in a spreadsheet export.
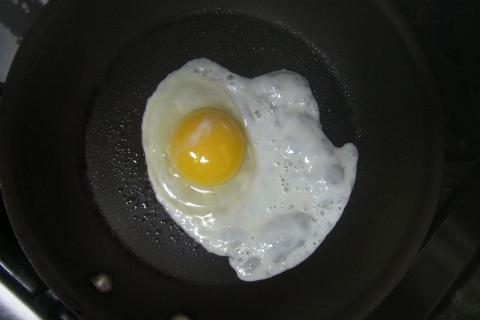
21	227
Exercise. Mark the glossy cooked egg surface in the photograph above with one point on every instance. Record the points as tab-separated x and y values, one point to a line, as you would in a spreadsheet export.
207	147
243	166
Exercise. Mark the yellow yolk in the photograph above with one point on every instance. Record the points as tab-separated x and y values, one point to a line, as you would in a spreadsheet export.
207	147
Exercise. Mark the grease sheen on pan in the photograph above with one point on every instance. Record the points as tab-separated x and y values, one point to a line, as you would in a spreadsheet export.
271	210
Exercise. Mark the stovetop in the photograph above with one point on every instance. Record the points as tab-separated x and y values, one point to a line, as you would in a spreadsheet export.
449	33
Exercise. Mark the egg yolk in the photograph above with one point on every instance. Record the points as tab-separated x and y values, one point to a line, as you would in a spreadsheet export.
207	147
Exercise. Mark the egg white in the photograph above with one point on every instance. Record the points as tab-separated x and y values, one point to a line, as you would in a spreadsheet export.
294	183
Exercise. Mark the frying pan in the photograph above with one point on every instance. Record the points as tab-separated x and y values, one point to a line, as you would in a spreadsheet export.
74	176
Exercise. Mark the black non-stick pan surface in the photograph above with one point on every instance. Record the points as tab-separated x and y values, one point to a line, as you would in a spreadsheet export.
74	174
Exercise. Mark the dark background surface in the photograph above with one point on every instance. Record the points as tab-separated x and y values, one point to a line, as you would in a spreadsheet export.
448	32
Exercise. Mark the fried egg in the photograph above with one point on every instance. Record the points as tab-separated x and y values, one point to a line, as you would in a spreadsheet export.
243	166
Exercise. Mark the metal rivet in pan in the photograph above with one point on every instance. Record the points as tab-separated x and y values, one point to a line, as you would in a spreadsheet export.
102	282
180	316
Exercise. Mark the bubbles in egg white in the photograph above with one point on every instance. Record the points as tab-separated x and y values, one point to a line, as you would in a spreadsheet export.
294	183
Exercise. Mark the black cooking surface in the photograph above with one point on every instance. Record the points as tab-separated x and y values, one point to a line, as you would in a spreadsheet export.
448	31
